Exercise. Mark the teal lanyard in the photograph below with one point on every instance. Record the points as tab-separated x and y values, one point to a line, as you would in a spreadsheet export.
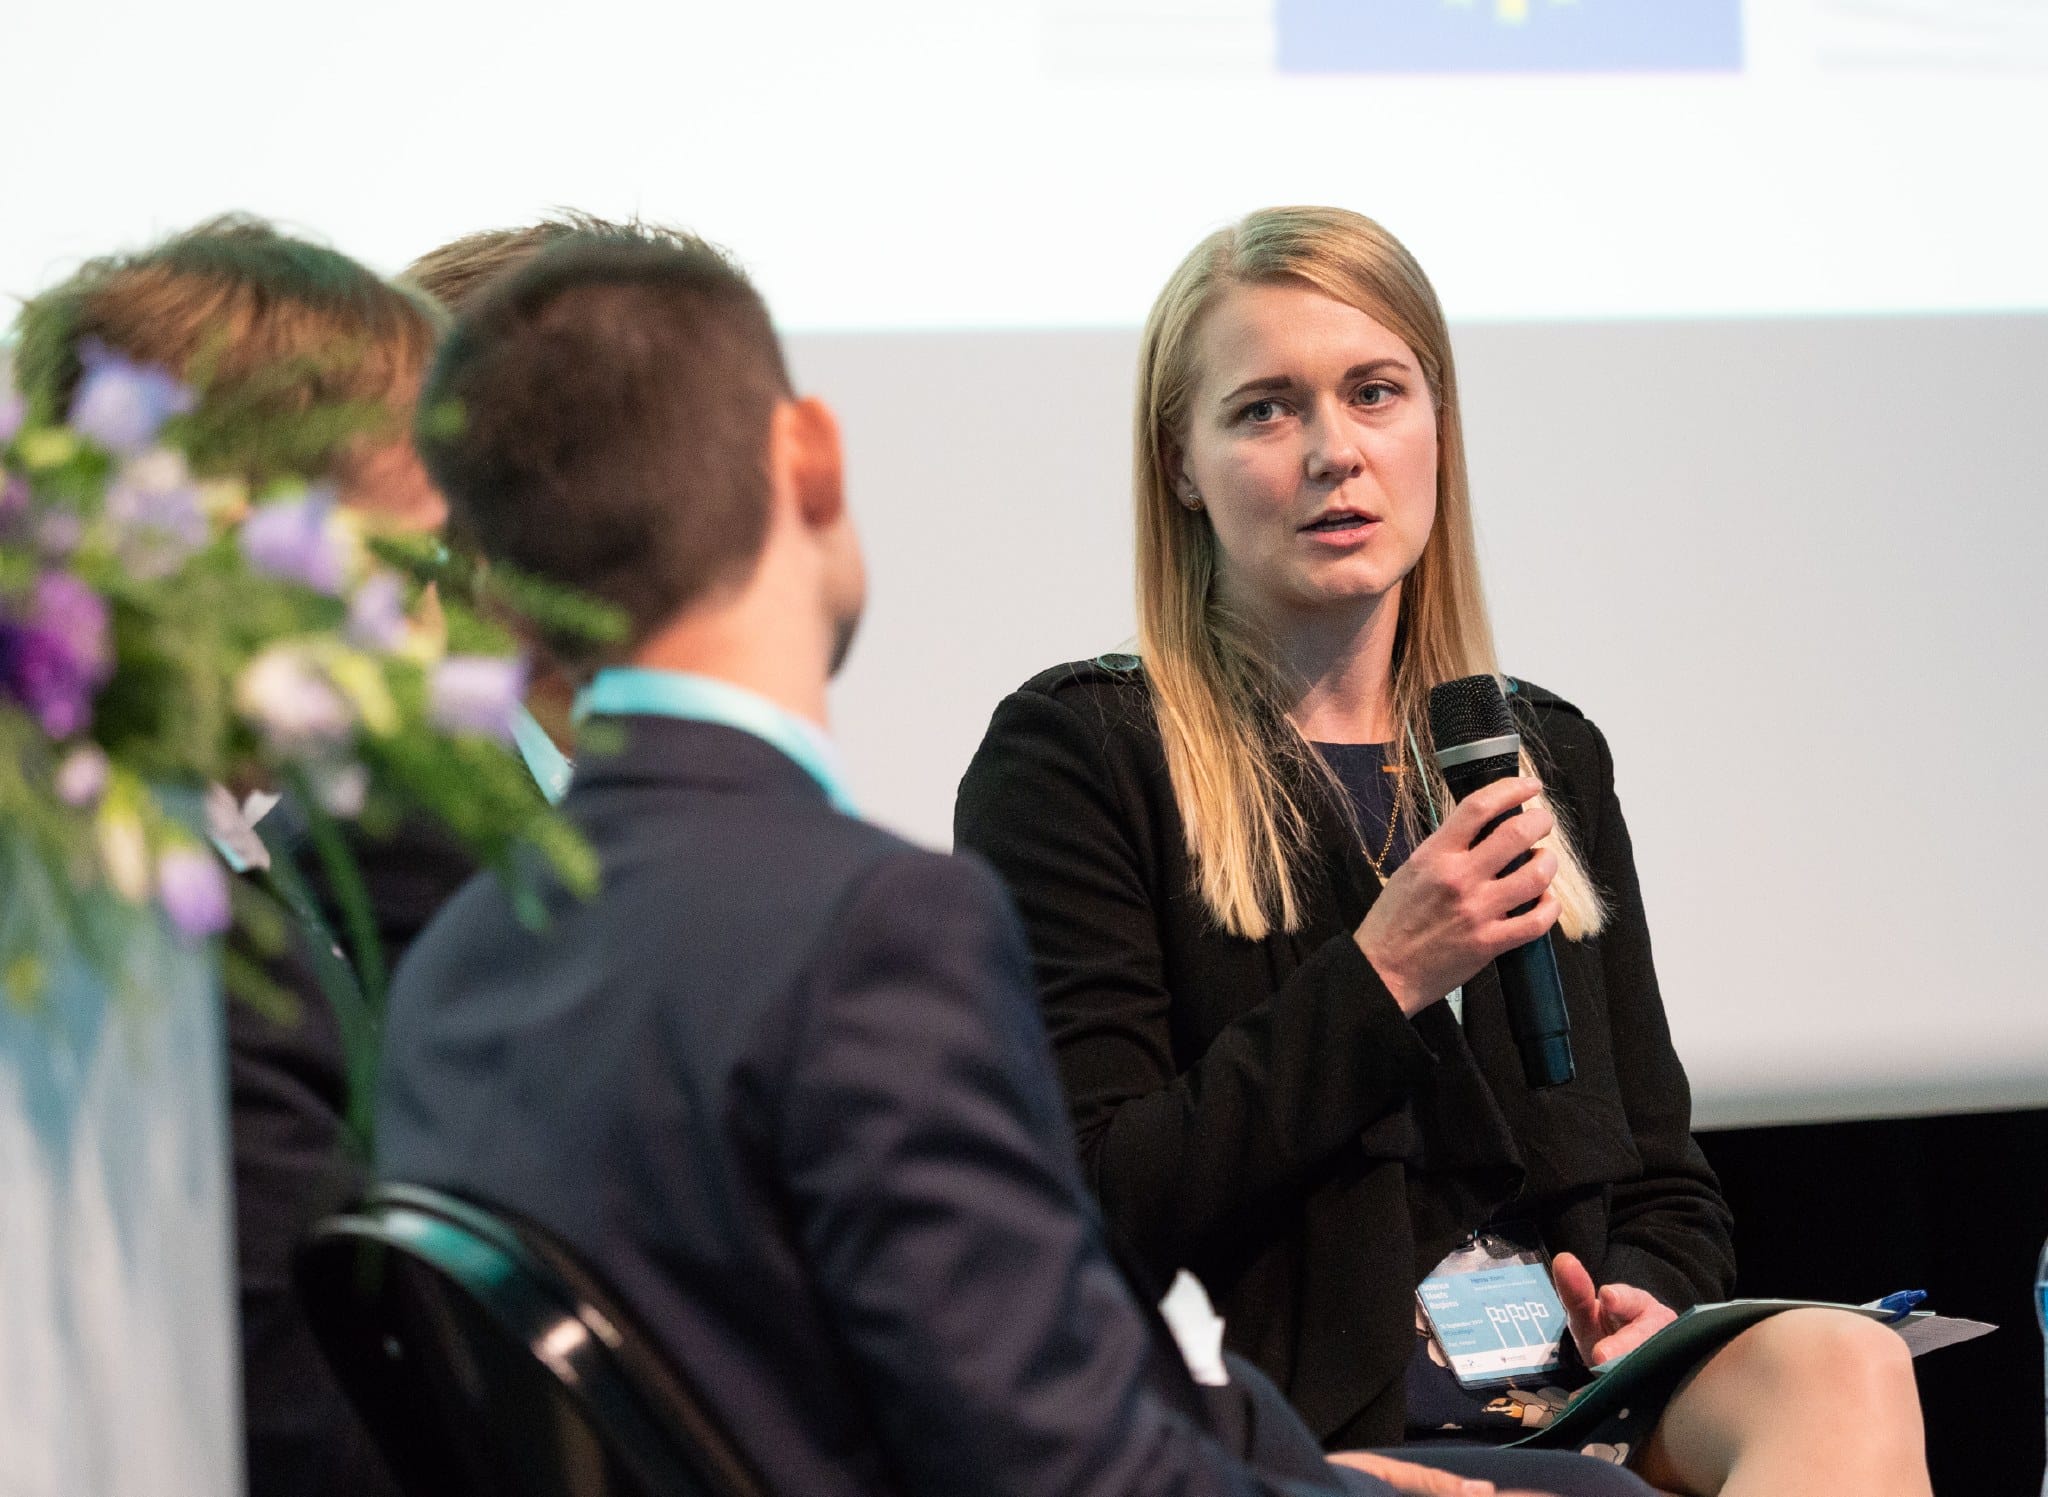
1454	1000
624	691
547	764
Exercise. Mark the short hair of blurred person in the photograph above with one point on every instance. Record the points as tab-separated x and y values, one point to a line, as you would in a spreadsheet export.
303	360
634	382
454	273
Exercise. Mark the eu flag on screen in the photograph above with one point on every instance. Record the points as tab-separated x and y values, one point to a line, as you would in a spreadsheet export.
1509	36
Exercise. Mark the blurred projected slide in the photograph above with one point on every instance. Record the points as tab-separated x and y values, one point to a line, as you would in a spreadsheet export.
1566	160
937	164
1508	36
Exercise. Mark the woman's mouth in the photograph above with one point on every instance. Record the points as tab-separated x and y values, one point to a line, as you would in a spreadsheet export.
1343	525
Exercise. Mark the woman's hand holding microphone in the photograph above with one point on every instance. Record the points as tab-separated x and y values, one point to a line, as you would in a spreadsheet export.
1444	912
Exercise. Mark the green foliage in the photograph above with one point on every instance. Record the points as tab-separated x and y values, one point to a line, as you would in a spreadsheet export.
163	632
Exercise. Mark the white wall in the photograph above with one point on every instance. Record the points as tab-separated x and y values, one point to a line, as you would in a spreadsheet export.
1792	568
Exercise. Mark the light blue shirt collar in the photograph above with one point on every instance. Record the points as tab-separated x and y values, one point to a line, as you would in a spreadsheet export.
626	691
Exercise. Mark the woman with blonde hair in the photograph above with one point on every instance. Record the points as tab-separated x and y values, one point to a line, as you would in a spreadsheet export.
1264	937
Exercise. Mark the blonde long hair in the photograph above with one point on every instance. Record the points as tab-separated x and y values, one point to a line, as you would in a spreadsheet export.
1219	701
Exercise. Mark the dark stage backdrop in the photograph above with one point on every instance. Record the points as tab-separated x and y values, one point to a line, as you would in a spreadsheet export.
1957	1206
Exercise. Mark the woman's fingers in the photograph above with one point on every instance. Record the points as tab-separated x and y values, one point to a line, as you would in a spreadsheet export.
1581	1301
1623	1304
1630	1316
1406	1476
1610	1321
1511	839
1631	1336
1523	929
1444	914
1527	883
1469	817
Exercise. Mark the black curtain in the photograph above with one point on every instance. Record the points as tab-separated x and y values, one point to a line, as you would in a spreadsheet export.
1955	1205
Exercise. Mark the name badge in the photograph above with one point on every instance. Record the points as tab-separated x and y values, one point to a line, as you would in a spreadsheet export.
1494	1311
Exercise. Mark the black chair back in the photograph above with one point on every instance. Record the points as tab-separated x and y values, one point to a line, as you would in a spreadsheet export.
489	1363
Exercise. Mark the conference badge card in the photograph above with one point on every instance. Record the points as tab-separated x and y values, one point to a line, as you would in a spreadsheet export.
1494	1311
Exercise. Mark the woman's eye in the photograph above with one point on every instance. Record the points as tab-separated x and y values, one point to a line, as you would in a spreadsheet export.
1261	411
1376	394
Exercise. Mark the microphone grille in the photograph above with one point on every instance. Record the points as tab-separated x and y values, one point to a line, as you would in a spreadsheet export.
1467	710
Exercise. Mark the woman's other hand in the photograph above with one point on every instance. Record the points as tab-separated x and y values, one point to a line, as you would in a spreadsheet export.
1609	1321
1407	1477
1444	913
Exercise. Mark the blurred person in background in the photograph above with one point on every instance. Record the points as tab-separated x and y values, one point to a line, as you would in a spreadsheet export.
290	343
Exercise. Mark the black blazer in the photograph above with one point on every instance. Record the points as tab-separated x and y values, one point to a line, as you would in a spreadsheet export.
1262	1113
782	1085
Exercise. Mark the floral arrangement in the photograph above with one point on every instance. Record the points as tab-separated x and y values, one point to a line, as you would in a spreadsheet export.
171	642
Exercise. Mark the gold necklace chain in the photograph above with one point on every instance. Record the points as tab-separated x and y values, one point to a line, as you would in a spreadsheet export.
1379	864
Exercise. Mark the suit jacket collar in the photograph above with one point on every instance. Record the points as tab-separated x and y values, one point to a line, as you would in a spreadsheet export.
684	753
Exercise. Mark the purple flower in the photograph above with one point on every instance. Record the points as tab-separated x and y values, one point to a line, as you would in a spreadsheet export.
155	509
477	694
376	614
58	533
193	889
74	613
13	409
82	776
56	659
293	539
40	674
121	404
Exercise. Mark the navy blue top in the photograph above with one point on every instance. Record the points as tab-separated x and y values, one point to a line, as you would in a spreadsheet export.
1436	1400
1371	776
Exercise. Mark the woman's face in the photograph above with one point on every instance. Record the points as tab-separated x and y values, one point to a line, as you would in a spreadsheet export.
1311	442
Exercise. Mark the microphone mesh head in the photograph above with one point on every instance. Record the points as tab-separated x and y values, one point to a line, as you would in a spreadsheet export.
1467	710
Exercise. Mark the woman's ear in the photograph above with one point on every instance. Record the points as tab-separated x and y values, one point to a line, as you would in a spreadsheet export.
1173	465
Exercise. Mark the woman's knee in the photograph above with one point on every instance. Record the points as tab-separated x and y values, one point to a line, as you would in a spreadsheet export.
1832	1352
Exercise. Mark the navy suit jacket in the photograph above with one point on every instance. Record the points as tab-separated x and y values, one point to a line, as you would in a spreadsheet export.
782	1085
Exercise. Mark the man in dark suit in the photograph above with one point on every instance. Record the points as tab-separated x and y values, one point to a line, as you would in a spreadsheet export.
781	1083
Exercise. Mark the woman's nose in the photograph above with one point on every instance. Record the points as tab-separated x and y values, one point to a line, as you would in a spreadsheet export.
1334	453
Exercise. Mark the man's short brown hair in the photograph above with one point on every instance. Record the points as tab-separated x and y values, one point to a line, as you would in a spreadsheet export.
600	418
454	273
299	352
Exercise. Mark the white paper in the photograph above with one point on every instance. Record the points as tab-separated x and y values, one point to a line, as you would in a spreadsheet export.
1197	1329
1932	1332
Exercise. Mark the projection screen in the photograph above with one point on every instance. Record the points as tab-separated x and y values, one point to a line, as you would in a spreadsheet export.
1751	305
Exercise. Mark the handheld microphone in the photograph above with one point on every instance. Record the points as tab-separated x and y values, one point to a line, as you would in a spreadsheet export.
1476	744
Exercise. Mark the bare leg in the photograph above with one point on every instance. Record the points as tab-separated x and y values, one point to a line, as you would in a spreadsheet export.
1810	1403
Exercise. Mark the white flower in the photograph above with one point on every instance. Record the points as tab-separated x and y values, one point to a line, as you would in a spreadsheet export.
289	699
124	851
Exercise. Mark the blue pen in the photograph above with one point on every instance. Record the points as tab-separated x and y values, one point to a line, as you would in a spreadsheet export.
1898	1306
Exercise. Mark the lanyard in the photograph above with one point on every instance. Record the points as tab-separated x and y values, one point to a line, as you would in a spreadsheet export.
624	691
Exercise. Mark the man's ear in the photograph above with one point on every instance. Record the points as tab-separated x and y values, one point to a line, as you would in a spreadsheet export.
816	463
